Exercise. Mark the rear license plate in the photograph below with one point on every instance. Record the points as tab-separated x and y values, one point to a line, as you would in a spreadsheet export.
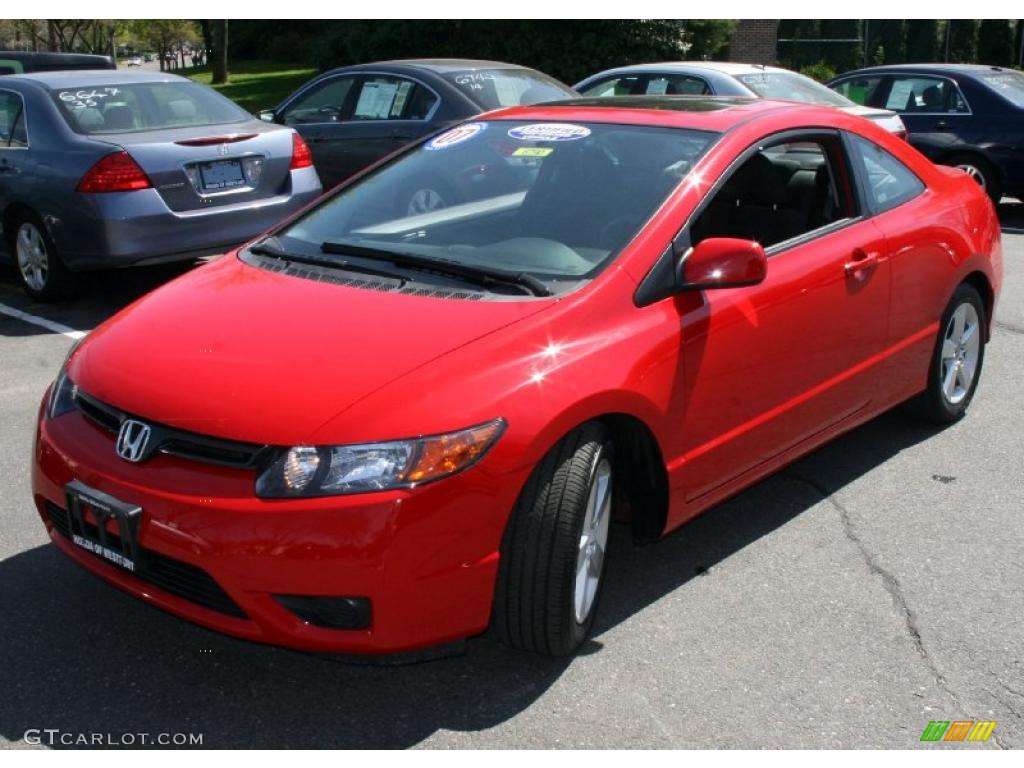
221	175
93	514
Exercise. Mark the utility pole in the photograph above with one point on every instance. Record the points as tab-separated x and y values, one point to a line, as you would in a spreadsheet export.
866	25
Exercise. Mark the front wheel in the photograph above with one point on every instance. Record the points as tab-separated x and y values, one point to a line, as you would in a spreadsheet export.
956	362
553	553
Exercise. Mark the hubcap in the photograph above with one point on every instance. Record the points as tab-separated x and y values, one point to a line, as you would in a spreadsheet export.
425	201
593	540
961	346
33	261
973	172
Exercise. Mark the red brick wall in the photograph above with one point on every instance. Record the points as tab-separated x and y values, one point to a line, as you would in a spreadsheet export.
754	41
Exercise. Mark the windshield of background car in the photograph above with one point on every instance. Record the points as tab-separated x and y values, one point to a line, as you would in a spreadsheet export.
555	200
128	107
496	88
1009	85
790	86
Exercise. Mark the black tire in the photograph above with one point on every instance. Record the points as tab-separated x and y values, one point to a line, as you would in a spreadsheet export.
933	404
535	606
987	176
56	283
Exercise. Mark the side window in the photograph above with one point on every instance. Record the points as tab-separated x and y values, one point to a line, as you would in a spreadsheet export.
924	94
323	103
783	191
382	97
676	84
862	90
12	121
616	86
890	182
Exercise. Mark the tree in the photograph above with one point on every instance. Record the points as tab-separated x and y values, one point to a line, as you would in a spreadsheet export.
163	35
219	52
842	56
963	41
888	35
995	42
1018	44
922	40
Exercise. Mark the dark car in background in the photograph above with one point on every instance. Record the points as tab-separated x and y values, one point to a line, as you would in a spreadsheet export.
20	62
353	116
727	78
103	169
970	116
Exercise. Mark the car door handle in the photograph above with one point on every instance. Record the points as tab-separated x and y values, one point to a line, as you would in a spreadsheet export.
861	262
943	125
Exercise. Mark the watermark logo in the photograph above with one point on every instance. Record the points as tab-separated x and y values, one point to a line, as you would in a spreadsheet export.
958	730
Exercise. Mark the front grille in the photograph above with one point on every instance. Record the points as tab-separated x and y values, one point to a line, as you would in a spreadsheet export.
180	579
176	442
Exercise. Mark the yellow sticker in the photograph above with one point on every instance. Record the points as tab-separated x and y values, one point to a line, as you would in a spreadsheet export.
533	152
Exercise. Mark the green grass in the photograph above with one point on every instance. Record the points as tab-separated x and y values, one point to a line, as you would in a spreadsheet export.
256	85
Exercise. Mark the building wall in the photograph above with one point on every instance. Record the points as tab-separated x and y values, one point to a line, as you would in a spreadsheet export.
754	41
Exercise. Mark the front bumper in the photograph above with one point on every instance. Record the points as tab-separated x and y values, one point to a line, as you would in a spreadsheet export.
427	559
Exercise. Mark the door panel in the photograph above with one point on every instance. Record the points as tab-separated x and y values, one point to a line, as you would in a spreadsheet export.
770	366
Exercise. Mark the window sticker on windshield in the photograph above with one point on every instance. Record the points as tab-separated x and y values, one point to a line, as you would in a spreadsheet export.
456	135
533	152
86	97
549	132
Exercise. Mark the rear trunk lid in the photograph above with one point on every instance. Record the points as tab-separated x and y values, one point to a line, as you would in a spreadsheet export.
209	166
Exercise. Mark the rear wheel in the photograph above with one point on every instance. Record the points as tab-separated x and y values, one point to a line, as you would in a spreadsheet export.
40	269
957	359
982	171
553	553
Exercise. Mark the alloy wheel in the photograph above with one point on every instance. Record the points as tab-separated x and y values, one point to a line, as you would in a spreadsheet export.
974	172
593	540
33	260
425	201
961	347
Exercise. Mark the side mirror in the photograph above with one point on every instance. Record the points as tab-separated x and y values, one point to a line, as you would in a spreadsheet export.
724	262
267	116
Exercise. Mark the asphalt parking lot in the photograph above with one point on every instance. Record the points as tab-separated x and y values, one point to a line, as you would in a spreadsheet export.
874	586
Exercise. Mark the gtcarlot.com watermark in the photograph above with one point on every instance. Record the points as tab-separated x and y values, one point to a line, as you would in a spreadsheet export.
54	737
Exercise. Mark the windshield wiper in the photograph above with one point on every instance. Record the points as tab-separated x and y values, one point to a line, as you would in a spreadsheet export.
267	248
471	272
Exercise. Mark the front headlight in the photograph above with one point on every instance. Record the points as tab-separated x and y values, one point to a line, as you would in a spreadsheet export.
63	390
62	396
335	470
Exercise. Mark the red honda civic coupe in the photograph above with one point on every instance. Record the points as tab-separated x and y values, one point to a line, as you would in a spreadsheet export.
376	431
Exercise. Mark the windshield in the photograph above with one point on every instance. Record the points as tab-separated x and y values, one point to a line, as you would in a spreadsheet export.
123	108
556	201
790	86
1009	85
496	88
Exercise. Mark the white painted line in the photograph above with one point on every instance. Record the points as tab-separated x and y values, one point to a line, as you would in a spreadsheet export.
42	322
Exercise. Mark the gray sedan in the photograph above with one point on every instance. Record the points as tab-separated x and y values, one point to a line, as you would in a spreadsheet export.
109	168
727	78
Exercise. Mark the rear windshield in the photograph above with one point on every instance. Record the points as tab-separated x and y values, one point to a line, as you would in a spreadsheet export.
494	88
789	86
129	107
1009	85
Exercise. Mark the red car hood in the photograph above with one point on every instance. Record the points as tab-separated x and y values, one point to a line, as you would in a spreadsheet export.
233	351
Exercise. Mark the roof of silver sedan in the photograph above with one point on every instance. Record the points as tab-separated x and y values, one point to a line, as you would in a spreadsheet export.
91	77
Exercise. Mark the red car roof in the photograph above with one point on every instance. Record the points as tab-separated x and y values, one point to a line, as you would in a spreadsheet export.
700	112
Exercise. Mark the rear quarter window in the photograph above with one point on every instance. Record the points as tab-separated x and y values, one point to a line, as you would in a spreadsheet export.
889	182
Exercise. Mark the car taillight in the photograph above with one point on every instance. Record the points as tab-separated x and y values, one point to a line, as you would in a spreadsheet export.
117	172
301	158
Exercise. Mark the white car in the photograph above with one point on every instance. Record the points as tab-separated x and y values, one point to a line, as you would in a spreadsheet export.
134	61
726	78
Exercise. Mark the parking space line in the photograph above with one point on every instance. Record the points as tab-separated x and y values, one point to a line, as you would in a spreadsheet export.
42	322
